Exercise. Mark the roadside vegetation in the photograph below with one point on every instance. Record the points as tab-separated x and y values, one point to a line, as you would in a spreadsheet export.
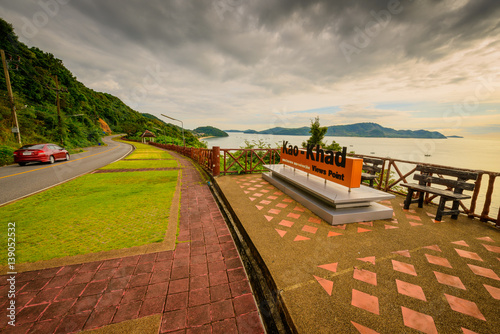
246	157
93	213
85	115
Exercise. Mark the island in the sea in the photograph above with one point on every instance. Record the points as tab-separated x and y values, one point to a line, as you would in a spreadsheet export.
373	130
209	131
244	131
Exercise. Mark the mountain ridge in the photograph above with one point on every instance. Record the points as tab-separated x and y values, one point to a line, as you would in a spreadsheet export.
210	131
367	129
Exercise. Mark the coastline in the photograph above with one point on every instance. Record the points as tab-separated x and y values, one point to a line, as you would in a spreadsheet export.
201	138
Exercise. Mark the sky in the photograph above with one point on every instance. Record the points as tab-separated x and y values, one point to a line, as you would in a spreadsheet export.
259	64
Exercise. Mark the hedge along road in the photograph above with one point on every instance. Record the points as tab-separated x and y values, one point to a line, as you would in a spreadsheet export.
17	182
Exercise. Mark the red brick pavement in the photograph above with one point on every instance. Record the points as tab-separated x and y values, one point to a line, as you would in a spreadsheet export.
201	286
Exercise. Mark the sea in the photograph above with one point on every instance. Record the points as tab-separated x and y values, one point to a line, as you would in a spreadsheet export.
468	153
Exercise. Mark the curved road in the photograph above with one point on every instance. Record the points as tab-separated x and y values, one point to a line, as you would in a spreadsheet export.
17	182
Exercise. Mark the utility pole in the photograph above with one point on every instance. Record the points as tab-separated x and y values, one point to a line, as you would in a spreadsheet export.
15	124
58	90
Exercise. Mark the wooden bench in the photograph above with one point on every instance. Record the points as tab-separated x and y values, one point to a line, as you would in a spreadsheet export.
372	167
454	191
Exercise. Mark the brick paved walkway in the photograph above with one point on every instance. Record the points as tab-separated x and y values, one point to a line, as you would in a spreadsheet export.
201	286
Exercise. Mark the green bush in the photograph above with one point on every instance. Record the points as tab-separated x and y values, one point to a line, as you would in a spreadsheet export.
168	140
248	158
6	155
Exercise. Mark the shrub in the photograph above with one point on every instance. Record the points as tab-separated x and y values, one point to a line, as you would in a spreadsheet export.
6	155
248	158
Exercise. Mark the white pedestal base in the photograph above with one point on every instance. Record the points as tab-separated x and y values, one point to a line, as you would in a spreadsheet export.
332	202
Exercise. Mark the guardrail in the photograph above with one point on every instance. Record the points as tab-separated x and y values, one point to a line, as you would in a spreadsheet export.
403	171
394	171
244	161
206	158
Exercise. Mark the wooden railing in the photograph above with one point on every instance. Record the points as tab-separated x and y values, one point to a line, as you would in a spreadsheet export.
394	171
233	161
206	158
244	161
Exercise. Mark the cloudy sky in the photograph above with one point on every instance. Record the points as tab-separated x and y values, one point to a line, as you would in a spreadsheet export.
240	64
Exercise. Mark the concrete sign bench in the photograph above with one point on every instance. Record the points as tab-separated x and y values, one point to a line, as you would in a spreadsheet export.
330	201
327	183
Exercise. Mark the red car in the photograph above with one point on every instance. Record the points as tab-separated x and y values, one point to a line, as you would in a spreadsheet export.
40	153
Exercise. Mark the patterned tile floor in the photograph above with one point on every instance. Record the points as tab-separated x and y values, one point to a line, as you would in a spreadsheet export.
408	274
200	286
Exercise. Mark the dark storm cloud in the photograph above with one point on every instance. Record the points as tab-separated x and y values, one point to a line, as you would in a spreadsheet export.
265	48
443	30
183	30
169	22
322	39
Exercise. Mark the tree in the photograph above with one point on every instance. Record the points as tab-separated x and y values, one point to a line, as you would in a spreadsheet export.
317	134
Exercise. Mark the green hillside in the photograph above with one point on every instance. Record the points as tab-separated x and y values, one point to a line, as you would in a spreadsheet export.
303	131
210	131
376	130
32	73
355	130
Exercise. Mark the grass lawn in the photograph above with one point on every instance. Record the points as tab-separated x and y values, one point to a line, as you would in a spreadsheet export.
140	146
132	164
93	213
143	154
143	151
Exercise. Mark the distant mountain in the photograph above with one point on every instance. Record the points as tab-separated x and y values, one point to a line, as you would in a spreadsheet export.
233	130
210	131
373	130
454	137
376	130
304	131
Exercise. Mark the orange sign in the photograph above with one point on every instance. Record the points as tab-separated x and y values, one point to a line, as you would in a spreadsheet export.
329	165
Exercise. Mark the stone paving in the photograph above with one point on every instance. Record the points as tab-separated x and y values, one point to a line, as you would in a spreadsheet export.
200	287
408	274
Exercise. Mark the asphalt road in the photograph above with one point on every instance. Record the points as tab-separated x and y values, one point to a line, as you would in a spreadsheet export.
17	182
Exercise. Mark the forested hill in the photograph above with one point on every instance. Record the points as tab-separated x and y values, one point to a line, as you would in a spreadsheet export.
210	131
32	74
356	130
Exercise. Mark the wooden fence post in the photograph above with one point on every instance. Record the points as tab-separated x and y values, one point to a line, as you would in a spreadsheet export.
487	201
498	218
216	161
381	179
387	178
